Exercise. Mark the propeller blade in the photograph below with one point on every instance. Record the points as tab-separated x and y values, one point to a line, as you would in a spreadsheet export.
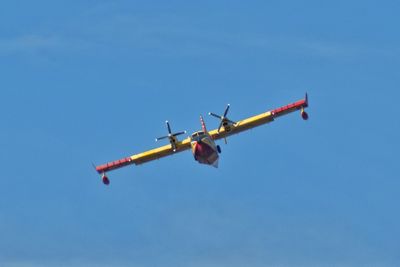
223	119
163	137
215	115
220	126
173	145
179	133
170	134
226	110
168	127
233	122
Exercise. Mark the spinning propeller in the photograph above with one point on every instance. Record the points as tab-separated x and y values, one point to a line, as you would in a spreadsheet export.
224	119
225	122
171	136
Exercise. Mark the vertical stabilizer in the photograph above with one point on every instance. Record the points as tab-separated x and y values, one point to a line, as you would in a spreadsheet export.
203	125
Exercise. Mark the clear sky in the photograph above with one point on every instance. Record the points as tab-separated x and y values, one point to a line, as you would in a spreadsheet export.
93	81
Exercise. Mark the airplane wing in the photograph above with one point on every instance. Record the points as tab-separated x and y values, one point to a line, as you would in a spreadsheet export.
223	132
260	119
144	157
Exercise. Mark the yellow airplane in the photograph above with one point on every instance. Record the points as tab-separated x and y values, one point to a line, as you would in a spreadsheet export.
202	143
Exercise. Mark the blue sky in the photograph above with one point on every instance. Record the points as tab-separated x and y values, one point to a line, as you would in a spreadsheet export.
93	81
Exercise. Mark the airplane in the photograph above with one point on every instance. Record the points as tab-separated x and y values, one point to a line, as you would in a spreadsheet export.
202	143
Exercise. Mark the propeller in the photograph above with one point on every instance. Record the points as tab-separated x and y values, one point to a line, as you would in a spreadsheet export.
223	118
171	136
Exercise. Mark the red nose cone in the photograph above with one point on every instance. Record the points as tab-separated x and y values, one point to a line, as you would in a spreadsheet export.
106	181
304	115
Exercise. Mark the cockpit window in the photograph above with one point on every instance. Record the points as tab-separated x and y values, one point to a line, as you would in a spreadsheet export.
196	134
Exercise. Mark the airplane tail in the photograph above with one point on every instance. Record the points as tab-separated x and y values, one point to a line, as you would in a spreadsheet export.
203	125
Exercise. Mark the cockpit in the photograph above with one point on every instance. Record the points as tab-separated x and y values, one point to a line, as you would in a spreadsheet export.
197	135
201	133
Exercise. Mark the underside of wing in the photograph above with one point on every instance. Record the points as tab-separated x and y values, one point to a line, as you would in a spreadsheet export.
230	128
146	156
160	152
242	125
